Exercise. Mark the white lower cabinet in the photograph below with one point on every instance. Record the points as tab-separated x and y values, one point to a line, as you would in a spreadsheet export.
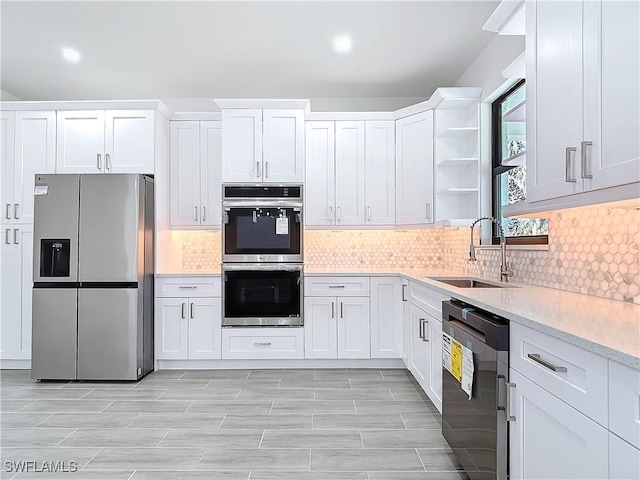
263	343
16	267
386	317
624	459
407	352
188	328
550	439
337	327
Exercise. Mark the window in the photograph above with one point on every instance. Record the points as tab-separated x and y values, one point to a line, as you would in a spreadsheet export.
509	170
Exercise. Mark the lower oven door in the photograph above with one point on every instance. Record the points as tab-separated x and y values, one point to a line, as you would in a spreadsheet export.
262	295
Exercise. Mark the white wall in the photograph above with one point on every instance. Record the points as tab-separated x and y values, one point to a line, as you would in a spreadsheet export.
486	69
7	96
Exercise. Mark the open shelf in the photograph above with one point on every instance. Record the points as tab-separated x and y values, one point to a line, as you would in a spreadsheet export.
518	160
458	132
457	103
457	162
517	113
454	191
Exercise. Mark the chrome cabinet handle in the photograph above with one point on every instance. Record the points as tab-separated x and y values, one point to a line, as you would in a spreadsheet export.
266	169
99	162
369	213
339	214
8	212
510	418
15	236
341	313
195	214
7	236
192	310
536	358
330	214
333	313
336	286
108	161
586	170
262	344
257	169
404	291
569	177
425	330
15	210
184	313
428	211
204	214
420	330
187	287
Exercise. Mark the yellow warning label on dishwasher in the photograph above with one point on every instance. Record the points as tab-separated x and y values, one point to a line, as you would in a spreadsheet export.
456	359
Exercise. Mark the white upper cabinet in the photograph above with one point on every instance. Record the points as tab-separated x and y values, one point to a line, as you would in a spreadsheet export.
349	176
262	146
99	141
319	186
350	173
583	92
195	173
28	148
380	175
414	169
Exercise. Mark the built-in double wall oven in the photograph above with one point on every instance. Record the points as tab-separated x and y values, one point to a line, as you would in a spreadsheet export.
262	255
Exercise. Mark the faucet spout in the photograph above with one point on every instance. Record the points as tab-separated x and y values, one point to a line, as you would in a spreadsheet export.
504	266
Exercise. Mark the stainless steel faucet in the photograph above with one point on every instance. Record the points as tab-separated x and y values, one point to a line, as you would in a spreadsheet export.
504	266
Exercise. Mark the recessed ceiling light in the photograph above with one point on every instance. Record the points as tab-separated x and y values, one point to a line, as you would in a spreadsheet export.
342	44
71	55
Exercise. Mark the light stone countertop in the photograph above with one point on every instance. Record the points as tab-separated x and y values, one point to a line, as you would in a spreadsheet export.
190	273
607	327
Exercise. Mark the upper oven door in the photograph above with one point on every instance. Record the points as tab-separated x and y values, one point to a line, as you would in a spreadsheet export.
262	232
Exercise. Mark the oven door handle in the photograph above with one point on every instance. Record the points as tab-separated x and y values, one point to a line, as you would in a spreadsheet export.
264	267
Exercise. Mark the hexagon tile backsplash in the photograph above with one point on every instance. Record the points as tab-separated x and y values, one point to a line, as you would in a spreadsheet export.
592	250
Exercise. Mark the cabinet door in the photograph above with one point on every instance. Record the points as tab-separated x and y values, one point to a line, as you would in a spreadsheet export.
210	170
612	43
319	187
35	153
386	317
171	329
380	183
7	165
550	439
185	173
350	173
554	89
129	141
320	329
407	355
421	356
353	327
80	142
241	145
414	169
16	283
433	333
624	460
205	330
283	144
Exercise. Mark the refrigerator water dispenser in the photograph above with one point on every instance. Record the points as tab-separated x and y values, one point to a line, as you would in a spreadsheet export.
55	257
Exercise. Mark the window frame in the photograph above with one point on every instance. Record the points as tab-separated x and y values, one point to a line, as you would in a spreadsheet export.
498	169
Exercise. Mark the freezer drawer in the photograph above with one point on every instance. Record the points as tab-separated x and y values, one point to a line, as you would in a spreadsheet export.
110	339
53	341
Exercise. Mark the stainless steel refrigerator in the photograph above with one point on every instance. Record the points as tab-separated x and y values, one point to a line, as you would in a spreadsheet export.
93	277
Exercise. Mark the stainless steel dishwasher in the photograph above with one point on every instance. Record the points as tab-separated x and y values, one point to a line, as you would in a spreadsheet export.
475	425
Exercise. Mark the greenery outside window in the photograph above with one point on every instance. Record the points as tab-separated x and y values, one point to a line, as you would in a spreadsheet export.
509	171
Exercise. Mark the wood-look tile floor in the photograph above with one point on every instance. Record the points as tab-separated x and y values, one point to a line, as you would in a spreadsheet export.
331	424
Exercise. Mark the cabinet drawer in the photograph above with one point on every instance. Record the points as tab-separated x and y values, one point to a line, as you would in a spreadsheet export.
580	378
196	286
336	286
427	299
258	343
624	402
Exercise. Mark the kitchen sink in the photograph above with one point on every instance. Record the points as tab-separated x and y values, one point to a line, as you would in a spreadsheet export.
467	282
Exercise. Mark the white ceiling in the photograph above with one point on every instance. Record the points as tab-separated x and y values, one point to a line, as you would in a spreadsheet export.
237	49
